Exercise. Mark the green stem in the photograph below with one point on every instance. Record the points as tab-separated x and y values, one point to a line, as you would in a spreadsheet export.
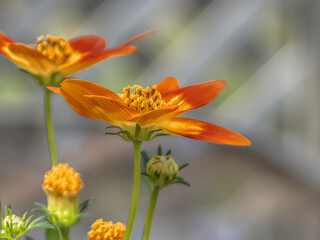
63	233
50	134
136	188
151	208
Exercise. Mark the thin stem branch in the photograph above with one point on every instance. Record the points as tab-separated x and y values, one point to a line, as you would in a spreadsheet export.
50	134
136	189
151	208
64	233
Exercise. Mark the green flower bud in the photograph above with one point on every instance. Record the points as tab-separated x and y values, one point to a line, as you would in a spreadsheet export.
162	170
14	223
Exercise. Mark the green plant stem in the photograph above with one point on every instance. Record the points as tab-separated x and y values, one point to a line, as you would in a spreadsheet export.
50	134
136	189
152	205
64	233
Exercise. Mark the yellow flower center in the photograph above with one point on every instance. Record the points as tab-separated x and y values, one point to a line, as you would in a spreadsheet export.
61	180
106	230
141	99
56	49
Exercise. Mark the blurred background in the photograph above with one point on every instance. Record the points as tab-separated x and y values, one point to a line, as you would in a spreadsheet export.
268	51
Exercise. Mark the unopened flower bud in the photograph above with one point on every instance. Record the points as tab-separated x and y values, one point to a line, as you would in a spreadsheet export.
162	170
14	223
62	185
106	230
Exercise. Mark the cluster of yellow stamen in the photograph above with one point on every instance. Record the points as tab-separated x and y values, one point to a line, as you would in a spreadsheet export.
62	180
141	99
106	230
56	49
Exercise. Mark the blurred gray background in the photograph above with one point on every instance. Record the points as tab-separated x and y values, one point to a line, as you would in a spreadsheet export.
266	50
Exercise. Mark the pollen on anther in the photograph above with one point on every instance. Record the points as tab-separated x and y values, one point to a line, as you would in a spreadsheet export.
62	179
56	49
106	230
141	99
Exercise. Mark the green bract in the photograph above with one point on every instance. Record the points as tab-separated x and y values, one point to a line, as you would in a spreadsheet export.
13	227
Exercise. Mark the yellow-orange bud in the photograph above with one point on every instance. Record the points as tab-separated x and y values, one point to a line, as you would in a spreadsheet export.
106	230
62	185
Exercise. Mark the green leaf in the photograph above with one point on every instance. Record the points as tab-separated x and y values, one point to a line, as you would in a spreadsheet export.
183	166
28	220
35	221
159	153
145	179
24	216
43	225
85	204
145	157
52	234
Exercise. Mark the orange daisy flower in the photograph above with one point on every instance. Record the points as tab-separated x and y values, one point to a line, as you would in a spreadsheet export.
155	109
53	58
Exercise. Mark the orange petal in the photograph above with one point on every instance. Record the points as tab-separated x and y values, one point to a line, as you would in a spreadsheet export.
29	59
88	43
55	90
75	91
4	41
203	131
150	118
194	96
83	88
142	35
168	84
90	59
116	110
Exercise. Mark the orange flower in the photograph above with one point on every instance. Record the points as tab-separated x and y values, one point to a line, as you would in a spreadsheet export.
155	109
54	58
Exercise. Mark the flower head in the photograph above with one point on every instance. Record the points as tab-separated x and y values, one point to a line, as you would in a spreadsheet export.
53	58
62	185
106	230
155	109
11	225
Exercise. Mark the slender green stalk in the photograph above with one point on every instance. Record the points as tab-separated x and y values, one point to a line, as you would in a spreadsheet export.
50	134
151	208
136	189
64	233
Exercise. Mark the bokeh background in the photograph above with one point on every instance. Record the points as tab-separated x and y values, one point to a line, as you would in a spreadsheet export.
268	51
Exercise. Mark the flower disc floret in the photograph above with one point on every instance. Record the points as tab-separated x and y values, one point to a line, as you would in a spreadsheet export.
62	179
141	99
56	49
106	230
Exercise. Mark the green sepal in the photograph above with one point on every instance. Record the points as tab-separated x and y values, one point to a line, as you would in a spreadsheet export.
145	179
145	157
168	152
159	150
183	166
84	205
180	181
